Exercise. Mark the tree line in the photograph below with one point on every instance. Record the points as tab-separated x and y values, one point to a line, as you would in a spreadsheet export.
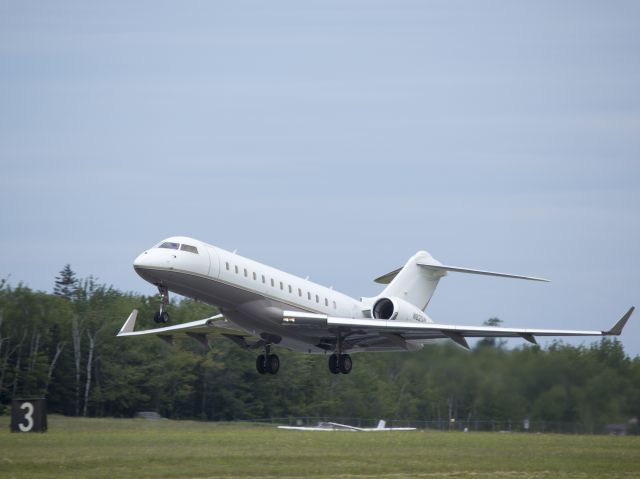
63	347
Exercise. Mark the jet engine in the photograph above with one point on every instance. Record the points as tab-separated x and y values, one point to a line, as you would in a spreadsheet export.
397	309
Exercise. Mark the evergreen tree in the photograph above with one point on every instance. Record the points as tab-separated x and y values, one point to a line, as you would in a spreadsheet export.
491	342
68	351
66	284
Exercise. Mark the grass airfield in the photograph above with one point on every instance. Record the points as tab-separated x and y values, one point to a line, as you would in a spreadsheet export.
113	448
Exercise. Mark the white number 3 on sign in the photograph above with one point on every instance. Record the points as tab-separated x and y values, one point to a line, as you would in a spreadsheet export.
28	416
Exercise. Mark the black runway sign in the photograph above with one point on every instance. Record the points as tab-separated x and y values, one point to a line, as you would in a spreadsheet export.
28	415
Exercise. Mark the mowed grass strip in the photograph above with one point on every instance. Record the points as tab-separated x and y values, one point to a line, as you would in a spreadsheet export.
112	448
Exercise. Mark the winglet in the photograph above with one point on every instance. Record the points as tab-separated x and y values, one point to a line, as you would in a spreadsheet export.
130	323
617	329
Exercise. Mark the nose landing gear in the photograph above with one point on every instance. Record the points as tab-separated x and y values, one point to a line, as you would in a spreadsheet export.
162	316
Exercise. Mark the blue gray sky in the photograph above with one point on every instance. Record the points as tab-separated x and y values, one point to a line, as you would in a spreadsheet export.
332	139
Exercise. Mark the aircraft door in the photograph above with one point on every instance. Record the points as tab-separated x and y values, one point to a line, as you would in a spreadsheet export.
214	262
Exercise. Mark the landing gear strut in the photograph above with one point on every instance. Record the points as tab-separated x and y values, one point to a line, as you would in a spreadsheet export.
267	362
162	316
338	362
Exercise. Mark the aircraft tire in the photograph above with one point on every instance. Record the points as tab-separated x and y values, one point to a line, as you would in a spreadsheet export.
261	364
272	364
161	317
333	364
345	364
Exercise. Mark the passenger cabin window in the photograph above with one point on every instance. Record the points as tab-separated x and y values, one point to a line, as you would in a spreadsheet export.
326	302
299	292
189	248
290	290
272	283
236	268
281	285
169	245
264	279
227	265
308	295
317	298
245	272
334	305
254	276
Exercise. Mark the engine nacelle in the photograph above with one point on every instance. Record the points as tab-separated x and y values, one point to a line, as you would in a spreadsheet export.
397	309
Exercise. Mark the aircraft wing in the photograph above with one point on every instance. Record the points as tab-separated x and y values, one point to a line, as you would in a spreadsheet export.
344	427
197	330
305	428
325	427
402	331
334	426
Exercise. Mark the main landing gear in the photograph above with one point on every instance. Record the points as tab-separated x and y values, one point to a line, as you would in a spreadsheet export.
267	362
339	362
162	316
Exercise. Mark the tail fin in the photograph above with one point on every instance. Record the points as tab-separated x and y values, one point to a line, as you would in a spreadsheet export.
417	280
413	283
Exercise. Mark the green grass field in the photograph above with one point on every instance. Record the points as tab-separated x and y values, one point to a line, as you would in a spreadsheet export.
113	448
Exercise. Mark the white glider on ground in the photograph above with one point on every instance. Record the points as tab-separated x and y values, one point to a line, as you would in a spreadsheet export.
262	307
334	426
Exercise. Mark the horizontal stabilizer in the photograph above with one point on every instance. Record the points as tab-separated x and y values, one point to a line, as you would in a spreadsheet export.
457	269
436	266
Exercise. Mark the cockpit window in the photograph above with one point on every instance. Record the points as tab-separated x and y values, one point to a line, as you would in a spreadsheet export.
189	248
169	245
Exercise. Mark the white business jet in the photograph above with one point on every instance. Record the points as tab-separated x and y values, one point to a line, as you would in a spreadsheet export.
262	307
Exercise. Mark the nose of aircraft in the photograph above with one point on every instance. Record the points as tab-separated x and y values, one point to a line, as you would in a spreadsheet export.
188	257
141	260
